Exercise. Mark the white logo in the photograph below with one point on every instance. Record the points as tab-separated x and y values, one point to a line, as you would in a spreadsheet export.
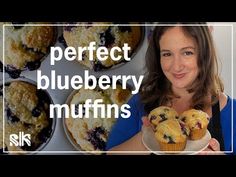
20	140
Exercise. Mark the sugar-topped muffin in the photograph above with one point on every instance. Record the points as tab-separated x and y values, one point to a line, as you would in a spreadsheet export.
90	134
25	46
162	113
104	35
172	135
27	111
197	121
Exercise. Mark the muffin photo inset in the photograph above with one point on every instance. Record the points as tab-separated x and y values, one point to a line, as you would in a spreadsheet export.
107	35
26	110
25	46
91	134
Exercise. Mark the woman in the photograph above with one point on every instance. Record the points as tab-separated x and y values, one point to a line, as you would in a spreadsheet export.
182	73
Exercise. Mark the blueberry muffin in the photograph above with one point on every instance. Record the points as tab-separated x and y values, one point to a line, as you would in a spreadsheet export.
171	135
25	46
197	121
90	134
160	114
107	36
26	110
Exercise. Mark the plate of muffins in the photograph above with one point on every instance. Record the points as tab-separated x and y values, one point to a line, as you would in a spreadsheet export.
171	133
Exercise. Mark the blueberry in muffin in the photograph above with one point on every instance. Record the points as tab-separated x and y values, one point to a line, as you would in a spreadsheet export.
197	121
161	114
172	135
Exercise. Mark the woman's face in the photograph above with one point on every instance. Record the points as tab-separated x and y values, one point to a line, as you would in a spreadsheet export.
178	57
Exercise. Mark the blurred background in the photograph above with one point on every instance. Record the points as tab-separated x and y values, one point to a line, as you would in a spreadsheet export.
224	37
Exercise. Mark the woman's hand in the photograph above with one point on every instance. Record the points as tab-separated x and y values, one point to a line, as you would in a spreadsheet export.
145	121
212	149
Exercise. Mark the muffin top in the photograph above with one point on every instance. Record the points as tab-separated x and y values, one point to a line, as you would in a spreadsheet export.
24	46
107	36
171	131
91	133
162	113
26	110
195	119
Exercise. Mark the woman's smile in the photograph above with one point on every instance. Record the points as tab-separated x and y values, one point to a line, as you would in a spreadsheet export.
179	75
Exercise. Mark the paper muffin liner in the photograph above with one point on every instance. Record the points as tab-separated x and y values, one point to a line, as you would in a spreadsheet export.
197	134
172	147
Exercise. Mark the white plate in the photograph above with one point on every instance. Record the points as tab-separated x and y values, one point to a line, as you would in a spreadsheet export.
192	147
